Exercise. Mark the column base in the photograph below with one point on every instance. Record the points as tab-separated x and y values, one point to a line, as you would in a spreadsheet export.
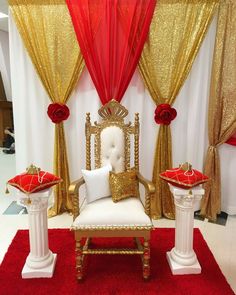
178	269
46	272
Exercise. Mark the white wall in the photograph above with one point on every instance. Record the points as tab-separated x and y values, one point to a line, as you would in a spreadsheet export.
5	63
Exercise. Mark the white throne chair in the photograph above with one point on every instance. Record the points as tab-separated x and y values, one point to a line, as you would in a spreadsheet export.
104	218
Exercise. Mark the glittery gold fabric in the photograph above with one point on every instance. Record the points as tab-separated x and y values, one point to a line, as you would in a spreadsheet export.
123	185
48	35
177	30
222	104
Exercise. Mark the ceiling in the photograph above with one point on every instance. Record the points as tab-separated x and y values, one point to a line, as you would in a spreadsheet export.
4	21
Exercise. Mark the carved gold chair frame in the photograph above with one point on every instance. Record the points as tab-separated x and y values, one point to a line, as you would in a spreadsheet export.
112	114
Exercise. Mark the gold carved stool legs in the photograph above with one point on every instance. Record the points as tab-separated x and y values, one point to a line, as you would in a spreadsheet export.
80	250
142	249
79	259
146	259
145	248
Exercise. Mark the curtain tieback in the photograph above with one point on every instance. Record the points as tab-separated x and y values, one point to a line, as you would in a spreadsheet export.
164	114
213	147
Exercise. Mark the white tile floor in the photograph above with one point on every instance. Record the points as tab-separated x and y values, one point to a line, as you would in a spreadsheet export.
220	239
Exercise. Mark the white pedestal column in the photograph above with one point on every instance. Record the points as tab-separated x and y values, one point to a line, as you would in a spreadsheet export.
40	262
182	258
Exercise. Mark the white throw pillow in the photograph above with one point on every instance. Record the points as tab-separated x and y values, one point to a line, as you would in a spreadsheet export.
97	183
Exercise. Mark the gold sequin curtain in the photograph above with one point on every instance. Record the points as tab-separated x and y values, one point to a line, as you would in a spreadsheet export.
177	30
48	35
222	104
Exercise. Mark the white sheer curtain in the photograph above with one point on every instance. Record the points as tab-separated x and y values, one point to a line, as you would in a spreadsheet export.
5	63
34	130
228	183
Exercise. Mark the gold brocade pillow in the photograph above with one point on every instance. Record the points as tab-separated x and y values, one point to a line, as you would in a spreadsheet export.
123	185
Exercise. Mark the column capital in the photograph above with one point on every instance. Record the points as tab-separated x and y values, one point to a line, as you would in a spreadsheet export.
195	191
186	198
34	202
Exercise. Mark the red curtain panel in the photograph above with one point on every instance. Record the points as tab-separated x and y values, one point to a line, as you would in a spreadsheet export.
111	35
232	140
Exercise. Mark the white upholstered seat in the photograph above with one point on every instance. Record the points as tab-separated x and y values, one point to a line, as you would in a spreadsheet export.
105	213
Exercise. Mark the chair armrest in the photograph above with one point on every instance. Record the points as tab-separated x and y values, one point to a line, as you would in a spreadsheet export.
74	193
149	191
149	186
75	185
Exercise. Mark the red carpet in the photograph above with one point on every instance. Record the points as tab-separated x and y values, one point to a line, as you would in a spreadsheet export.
111	274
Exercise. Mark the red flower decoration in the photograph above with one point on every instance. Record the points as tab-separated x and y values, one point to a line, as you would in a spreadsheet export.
164	114
58	112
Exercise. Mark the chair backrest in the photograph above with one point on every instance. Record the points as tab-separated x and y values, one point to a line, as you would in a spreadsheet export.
112	138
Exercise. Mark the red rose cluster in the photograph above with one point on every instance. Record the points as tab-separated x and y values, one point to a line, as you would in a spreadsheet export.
58	112
164	114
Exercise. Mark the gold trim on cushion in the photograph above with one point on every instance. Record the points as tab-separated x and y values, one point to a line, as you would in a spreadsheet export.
112	227
188	185
123	185
38	188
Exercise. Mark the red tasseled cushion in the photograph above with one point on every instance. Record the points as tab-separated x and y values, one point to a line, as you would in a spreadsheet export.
184	178
32	183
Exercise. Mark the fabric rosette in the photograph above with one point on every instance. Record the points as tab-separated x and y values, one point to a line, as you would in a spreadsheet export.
58	112
164	114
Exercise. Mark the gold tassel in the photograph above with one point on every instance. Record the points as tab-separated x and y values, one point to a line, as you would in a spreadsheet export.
7	190
28	200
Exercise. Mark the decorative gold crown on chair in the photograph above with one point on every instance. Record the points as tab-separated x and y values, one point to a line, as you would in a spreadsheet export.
113	111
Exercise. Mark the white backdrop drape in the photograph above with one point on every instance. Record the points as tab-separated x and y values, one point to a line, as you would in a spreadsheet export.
5	63
34	130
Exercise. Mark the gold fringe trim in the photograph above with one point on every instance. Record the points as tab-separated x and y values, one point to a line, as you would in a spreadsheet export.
38	187
112	228
169	180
